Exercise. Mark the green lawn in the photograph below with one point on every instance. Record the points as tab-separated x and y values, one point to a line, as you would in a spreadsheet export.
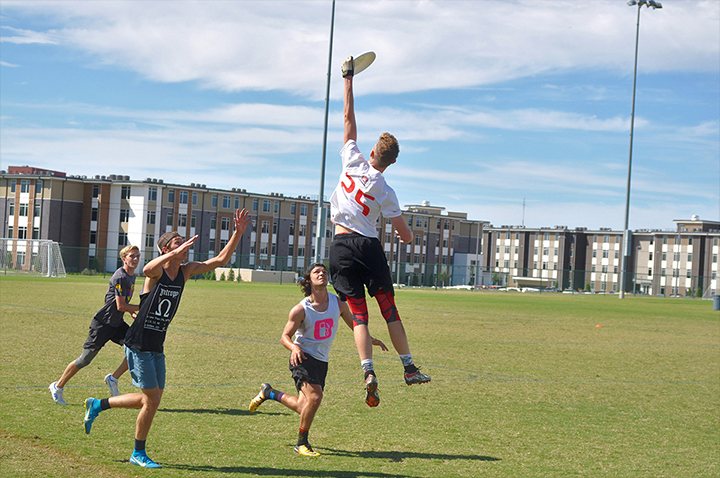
524	385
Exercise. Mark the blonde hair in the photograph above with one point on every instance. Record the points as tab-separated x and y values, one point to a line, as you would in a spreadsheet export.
386	149
125	251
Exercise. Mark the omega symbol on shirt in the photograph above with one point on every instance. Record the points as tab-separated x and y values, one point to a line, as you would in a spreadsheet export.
323	329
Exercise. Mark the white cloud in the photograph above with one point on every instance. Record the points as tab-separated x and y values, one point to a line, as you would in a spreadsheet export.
421	45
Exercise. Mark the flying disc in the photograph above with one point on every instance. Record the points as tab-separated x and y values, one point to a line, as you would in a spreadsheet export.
363	60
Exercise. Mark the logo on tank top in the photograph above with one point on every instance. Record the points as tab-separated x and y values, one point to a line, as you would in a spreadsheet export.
323	329
364	180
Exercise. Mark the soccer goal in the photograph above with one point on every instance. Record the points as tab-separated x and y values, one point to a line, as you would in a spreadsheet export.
36	257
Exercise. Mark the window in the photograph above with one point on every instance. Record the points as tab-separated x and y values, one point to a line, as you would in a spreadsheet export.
594	252
275	227
418	238
664	256
169	219
606	239
22	232
293	208
36	209
388	237
10	231
122	239
266	205
650	255
303	209
96	190
212	244
447	225
13	182
255	204
12	210
303	229
124	215
193	218
605	253
39	186
36	233
237	203
125	192
649	271
93	237
152	194
23	211
194	198
301	252
546	251
226	202
149	241
277	207
689	257
292	229
689	241
171	196
225	223
151	217
213	222
214	200
183	197
664	239
418	222
182	220
24	185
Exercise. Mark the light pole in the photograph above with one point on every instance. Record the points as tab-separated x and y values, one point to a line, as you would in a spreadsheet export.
627	237
320	225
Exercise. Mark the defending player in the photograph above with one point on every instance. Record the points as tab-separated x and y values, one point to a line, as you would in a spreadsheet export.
357	259
314	322
107	325
166	276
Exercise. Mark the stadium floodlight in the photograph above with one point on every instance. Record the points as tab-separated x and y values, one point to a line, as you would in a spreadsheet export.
627	238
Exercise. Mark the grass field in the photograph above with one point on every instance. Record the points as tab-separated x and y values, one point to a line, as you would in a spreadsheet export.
524	385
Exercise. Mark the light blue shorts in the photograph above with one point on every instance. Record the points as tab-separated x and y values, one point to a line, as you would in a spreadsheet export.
147	369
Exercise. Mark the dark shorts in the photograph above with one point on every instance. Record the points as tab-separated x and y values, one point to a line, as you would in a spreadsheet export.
100	334
356	262
311	370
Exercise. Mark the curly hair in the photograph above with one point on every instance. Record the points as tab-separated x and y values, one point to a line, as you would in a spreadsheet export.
386	149
305	283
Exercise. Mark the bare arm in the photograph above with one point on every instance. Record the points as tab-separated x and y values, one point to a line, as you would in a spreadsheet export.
153	270
242	218
123	306
349	110
402	229
297	315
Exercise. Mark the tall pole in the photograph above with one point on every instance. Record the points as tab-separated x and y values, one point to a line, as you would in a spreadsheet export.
320	230
626	231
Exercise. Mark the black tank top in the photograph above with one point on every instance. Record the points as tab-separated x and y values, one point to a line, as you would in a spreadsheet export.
157	309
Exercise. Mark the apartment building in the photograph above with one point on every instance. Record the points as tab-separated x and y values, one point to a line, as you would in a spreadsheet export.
683	261
94	217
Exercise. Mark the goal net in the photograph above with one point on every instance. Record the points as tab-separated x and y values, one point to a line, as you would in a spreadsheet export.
36	257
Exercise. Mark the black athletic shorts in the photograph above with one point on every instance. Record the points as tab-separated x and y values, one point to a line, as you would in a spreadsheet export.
356	262
311	370
101	333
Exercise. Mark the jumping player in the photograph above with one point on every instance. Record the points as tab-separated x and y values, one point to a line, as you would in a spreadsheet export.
107	325
166	276
314	322
357	259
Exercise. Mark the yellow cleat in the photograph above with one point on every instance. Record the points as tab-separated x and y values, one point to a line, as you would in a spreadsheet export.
261	397
306	450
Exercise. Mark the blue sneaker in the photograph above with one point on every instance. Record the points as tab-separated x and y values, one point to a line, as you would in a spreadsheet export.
92	409
140	458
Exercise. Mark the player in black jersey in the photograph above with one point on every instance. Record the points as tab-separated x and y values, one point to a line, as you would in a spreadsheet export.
166	276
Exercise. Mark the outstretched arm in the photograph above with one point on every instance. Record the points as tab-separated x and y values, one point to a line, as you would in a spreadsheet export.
242	218
349	107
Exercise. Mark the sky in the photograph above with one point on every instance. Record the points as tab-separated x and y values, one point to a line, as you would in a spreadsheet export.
514	112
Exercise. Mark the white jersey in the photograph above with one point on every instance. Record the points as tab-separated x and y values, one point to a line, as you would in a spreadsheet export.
361	194
317	332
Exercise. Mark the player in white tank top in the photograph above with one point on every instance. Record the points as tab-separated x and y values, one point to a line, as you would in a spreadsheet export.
314	322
